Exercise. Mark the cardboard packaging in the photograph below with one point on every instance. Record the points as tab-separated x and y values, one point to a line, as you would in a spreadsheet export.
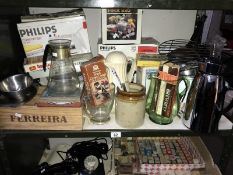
36	32
186	156
34	65
162	154
147	65
95	80
143	76
149	59
121	26
148	45
168	79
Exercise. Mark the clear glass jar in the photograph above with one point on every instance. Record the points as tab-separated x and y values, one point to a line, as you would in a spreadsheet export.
130	106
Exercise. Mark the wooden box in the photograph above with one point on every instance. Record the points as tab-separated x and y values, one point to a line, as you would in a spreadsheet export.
31	117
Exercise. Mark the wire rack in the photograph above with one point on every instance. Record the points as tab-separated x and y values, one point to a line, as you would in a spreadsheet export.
182	48
182	51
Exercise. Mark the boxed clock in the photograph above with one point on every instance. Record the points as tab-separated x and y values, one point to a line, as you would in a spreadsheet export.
121	26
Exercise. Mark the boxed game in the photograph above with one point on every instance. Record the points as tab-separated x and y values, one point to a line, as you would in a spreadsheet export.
167	153
121	26
36	33
157	155
147	45
95	80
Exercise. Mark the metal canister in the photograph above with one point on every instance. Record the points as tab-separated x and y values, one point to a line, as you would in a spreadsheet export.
187	75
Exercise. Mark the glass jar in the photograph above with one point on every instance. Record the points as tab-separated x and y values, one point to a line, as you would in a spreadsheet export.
130	106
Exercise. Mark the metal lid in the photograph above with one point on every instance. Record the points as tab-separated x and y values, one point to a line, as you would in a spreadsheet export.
188	72
210	68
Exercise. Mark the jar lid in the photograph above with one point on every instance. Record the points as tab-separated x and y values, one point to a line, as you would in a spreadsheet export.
210	68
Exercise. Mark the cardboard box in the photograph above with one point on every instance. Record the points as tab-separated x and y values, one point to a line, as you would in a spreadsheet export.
95	80
168	154
196	148
121	26
34	65
36	34
149	59
148	45
143	76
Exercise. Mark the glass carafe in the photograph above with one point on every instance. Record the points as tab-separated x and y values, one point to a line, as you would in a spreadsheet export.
63	79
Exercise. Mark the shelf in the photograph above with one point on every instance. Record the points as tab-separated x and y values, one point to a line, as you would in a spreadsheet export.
149	129
177	124
144	4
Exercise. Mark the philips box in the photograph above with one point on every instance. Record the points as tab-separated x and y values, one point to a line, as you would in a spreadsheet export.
121	26
36	32
148	45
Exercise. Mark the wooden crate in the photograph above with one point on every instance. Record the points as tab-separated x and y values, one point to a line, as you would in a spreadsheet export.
31	117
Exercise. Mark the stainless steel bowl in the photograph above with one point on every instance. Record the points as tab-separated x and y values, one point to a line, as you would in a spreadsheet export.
18	88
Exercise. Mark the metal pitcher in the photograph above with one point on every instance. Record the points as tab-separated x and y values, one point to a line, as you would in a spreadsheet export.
205	99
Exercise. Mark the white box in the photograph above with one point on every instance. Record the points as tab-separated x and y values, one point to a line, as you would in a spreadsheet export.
35	35
143	76
148	45
34	66
39	74
121	26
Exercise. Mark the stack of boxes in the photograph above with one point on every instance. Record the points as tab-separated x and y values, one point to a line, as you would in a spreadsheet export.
36	30
121	31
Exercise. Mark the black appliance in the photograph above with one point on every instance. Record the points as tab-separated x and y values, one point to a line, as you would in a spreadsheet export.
83	158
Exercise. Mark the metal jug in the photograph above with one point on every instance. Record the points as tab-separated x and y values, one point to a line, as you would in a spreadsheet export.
205	99
63	79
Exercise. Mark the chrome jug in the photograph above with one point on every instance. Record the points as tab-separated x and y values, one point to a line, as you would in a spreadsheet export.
205	100
63	80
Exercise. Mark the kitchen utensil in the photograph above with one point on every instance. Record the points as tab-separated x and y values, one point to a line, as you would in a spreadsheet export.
186	78
206	96
63	79
118	61
18	88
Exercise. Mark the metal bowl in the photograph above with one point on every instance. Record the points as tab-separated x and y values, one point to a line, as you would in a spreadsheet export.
18	88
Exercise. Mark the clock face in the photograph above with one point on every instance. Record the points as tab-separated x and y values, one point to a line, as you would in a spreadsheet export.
91	163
